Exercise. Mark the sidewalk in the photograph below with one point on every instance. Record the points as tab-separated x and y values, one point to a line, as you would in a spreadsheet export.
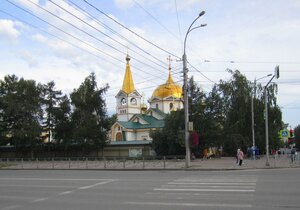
229	163
224	163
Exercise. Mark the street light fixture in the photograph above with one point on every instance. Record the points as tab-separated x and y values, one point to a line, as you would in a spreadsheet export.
185	92
266	114
252	107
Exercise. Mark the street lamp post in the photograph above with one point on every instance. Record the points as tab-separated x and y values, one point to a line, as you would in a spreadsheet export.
266	114
185	93
252	107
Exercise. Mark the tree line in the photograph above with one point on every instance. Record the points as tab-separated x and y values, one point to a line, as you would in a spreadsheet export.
222	118
32	113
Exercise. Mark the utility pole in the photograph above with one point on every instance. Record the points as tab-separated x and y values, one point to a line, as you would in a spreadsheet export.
266	114
252	108
186	96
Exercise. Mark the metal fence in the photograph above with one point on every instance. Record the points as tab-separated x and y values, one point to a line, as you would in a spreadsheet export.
166	162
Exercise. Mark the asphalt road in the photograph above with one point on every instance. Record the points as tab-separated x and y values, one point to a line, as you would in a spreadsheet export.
121	190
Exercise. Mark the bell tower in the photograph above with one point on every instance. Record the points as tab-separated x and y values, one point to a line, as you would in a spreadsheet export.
128	98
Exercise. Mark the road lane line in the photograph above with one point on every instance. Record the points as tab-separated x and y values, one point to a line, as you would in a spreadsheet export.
50	179
39	200
94	185
11	207
223	205
215	183
203	190
66	192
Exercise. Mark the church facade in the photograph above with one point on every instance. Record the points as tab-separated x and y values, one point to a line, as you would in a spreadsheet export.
135	120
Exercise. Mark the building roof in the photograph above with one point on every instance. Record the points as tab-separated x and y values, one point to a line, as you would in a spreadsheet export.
152	122
170	88
158	111
127	143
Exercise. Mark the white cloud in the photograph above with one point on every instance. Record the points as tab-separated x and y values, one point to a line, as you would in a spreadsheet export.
9	31
40	38
29	58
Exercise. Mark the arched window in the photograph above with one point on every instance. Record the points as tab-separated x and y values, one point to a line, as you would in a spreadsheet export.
133	101
119	136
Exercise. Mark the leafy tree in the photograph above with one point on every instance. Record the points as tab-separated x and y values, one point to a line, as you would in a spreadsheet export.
274	118
236	97
89	117
51	98
170	140
63	125
297	135
20	112
111	120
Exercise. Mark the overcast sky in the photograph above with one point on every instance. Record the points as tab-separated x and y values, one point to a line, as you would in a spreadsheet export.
65	41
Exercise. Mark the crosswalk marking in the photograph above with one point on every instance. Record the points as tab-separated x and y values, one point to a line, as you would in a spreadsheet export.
215	191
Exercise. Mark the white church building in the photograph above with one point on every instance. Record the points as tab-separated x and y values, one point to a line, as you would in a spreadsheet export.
130	135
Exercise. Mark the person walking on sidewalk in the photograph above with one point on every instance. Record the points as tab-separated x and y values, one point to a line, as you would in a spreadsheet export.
240	157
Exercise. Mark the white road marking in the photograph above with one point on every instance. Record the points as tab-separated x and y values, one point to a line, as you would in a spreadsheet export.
191	204
94	185
50	179
66	192
214	183
11	207
39	200
203	190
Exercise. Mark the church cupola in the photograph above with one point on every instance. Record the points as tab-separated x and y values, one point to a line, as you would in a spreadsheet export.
128	98
168	96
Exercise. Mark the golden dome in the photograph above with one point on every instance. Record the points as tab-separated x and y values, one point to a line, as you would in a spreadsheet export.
168	89
128	85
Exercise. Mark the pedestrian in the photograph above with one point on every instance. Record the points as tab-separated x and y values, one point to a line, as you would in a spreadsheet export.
240	157
293	151
237	156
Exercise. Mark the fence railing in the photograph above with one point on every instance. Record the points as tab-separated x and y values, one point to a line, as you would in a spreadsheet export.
165	162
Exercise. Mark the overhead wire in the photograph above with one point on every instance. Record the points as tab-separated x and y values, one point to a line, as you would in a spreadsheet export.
113	31
53	35
156	20
178	24
106	35
83	31
76	38
117	22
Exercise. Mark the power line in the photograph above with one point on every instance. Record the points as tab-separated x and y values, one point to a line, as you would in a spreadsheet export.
201	73
73	35
249	62
44	31
104	34
179	28
117	22
155	19
113	31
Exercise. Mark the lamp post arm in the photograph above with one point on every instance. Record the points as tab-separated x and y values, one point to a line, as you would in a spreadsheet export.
269	81
189	29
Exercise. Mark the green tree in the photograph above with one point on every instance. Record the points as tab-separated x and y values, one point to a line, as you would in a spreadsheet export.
297	135
51	98
170	140
236	96
20	112
89	117
274	118
63	125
